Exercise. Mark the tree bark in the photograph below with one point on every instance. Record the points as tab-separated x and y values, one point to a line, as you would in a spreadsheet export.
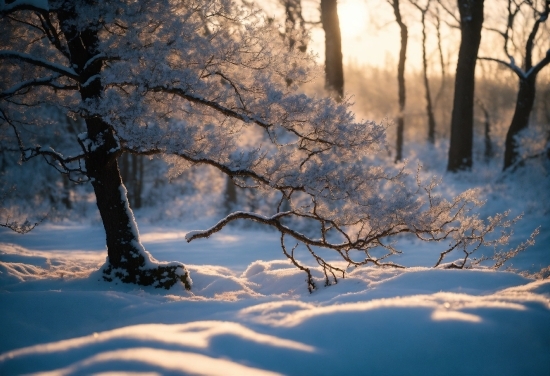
127	259
462	118
429	105
334	71
520	121
400	80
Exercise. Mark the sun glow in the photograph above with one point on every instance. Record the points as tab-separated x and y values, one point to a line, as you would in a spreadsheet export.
363	42
353	18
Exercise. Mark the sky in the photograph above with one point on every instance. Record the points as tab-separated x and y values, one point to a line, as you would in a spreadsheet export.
370	35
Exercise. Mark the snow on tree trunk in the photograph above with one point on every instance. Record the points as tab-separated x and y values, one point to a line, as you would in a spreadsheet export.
127	258
334	71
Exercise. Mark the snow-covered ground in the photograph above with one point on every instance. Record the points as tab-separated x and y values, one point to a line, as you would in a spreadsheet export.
249	311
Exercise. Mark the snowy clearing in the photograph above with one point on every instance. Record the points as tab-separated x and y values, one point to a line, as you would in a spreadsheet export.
256	317
249	310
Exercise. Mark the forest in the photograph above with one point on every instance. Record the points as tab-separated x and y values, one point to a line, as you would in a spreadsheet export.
285	173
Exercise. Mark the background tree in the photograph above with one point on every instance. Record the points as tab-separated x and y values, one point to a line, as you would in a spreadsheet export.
429	106
527	74
400	79
462	118
334	70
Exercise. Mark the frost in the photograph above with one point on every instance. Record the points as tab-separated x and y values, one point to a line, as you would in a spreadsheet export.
36	4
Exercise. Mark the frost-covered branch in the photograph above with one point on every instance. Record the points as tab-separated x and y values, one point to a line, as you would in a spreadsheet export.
39	62
20	228
52	34
14	225
517	70
45	81
529	69
53	158
18	5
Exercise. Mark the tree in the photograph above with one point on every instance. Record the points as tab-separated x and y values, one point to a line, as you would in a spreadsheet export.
400	79
334	71
429	105
527	74
462	118
295	25
148	79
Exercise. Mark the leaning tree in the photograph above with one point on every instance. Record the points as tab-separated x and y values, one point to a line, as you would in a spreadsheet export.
188	80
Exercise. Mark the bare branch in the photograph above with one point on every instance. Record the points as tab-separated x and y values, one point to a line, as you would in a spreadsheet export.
517	70
20	228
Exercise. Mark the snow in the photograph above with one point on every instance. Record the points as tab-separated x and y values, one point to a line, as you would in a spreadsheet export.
38	61
32	4
249	311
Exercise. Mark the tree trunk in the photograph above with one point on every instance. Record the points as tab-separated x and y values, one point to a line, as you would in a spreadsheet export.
230	195
488	152
295	23
429	106
334	71
127	259
400	81
462	119
520	121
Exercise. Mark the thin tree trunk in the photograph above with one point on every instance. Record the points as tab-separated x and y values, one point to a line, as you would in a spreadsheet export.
462	119
488	152
334	71
520	121
441	58
429	106
230	195
400	80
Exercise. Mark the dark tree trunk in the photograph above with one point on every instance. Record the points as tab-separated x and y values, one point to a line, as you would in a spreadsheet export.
400	80
230	195
126	256
488	152
462	119
429	106
520	121
334	71
442	64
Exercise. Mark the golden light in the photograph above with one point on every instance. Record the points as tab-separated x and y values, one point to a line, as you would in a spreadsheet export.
353	18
